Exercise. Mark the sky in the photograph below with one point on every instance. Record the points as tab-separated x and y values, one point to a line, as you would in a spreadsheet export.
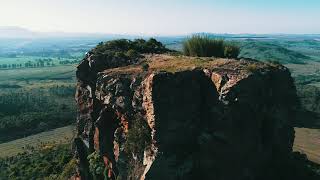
163	17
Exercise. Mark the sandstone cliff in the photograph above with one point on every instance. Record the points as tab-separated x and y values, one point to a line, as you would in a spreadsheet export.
177	117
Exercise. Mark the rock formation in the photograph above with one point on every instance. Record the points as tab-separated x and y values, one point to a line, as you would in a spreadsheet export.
184	118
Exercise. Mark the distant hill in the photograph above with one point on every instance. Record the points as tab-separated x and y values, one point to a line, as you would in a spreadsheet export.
15	32
262	50
286	49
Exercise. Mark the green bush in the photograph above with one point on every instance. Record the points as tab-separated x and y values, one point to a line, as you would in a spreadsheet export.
231	51
97	167
128	47
132	53
204	46
123	52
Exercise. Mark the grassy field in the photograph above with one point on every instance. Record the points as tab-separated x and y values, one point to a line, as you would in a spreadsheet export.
41	73
308	141
62	135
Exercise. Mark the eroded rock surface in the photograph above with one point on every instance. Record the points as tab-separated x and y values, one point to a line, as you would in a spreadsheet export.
222	119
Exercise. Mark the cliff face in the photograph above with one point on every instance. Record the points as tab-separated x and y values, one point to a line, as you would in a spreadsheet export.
185	118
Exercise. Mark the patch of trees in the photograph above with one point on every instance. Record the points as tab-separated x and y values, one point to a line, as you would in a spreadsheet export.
37	63
309	97
10	66
68	62
45	162
130	47
25	112
28	64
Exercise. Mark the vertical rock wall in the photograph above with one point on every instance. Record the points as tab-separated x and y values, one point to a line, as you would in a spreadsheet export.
215	123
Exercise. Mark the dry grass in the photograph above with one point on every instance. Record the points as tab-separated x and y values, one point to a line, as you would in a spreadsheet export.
132	69
178	63
182	63
252	68
62	135
308	141
170	64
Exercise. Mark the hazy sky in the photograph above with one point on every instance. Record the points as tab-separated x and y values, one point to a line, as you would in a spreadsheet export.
165	17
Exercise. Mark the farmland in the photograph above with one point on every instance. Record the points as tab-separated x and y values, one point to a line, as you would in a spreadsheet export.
38	95
36	100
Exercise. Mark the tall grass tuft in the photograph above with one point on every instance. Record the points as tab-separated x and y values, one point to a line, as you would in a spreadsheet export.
204	46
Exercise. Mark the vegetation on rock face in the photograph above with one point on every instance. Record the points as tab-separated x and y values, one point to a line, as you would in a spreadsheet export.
138	139
97	167
139	136
47	162
204	46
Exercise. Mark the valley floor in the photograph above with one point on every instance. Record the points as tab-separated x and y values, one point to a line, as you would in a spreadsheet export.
307	141
62	135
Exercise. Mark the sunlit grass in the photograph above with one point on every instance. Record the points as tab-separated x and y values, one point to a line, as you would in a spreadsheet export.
204	46
62	135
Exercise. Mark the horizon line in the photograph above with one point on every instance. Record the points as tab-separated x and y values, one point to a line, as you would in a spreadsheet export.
149	34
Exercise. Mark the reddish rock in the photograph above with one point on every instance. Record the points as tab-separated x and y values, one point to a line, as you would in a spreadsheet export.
218	121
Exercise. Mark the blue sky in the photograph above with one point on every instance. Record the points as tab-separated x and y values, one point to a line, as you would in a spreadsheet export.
163	17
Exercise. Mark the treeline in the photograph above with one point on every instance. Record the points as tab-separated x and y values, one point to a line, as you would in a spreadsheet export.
25	112
28	64
69	62
37	63
42	53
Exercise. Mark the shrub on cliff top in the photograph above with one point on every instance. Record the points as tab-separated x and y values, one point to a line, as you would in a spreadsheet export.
128	47
252	68
204	46
231	51
123	52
